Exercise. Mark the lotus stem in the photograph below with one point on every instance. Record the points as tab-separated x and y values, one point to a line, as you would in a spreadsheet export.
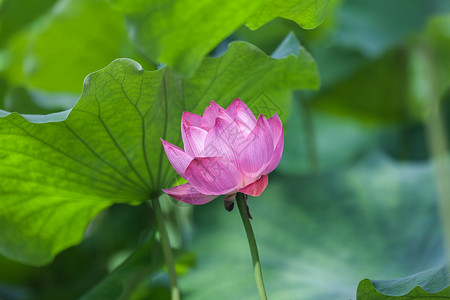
242	204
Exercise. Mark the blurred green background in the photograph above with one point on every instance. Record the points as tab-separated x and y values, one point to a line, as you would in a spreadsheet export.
360	191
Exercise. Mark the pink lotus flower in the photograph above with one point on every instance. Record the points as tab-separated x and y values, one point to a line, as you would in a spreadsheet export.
225	152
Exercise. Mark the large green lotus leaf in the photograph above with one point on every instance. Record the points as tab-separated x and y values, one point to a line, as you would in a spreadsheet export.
319	236
430	284
181	33
59	170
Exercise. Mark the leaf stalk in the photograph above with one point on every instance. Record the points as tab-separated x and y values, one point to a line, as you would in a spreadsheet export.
167	250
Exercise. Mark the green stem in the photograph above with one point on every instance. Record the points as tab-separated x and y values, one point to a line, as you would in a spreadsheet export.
241	202
167	250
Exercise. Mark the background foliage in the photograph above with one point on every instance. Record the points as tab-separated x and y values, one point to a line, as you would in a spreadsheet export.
361	191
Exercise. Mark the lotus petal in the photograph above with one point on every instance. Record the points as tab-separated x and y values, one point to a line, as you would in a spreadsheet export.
188	194
213	175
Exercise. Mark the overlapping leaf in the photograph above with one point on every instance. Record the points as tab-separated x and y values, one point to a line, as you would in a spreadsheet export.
307	13
181	33
58	171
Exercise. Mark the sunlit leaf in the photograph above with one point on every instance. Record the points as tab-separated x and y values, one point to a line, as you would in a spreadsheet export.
181	33
307	13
